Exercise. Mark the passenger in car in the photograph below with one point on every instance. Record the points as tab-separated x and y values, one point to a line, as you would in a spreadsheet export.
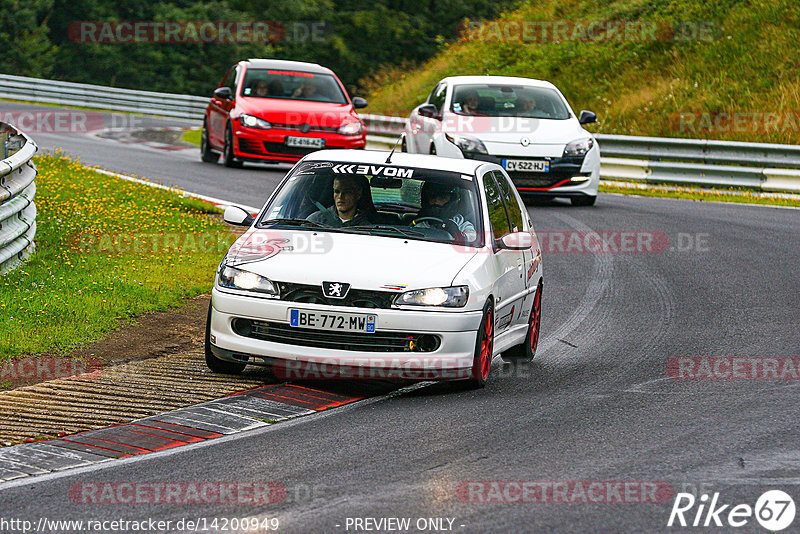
261	88
345	211
442	202
468	104
307	90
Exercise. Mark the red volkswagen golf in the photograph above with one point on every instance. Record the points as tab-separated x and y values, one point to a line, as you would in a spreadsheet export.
278	111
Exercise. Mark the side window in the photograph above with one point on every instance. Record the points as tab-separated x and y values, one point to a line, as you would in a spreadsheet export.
497	212
230	79
430	96
512	206
439	96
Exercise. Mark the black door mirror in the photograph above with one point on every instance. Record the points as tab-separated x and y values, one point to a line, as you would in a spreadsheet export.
223	93
428	110
587	117
359	102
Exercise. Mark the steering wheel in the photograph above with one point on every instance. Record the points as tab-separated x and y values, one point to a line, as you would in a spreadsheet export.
437	220
448	226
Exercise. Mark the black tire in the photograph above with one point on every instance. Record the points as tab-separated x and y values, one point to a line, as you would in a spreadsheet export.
527	350
228	159
433	149
206	154
483	351
583	200
215	364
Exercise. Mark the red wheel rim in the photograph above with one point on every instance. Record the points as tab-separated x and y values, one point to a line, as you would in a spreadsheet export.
536	315
487	344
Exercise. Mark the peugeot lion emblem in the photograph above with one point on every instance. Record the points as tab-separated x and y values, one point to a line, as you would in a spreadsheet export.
335	290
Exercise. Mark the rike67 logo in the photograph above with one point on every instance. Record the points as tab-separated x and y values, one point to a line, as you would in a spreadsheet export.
774	510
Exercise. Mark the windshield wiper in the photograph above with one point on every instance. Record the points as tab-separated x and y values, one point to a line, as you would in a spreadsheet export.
290	221
385	228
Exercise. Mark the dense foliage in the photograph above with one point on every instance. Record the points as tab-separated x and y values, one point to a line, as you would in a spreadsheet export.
39	38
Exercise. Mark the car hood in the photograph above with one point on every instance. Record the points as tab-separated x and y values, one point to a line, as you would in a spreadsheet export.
364	261
297	111
510	130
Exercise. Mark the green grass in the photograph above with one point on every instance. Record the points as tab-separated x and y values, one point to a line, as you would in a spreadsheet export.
191	136
107	250
749	64
742	196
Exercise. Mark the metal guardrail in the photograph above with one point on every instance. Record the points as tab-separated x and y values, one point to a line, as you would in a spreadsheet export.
17	209
100	97
770	167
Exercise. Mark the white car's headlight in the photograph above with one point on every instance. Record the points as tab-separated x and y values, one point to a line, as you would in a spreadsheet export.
254	122
579	147
451	297
351	128
466	143
233	278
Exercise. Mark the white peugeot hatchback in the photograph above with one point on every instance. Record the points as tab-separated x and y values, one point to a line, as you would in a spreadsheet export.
367	266
526	126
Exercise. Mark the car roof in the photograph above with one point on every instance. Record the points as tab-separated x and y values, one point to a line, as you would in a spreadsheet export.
423	161
459	80
287	65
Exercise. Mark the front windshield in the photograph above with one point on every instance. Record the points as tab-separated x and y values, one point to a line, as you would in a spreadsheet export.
379	199
292	85
508	101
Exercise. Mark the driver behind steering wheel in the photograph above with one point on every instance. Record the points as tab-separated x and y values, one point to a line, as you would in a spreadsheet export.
440	204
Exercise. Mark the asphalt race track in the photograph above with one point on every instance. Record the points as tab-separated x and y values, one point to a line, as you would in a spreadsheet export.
600	403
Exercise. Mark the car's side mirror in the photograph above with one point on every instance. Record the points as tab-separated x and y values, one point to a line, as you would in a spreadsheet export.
587	117
237	216
359	102
428	110
223	93
515	241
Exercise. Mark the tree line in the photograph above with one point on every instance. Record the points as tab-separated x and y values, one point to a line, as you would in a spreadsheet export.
186	46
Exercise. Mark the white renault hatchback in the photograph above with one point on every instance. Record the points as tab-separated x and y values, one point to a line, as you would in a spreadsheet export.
375	265
526	126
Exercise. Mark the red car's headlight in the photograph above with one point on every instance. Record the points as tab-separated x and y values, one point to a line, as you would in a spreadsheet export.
254	122
351	128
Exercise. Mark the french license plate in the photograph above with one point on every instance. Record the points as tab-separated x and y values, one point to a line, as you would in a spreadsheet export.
526	165
305	142
340	322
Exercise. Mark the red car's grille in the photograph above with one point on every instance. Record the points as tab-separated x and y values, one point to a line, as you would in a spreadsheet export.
308	127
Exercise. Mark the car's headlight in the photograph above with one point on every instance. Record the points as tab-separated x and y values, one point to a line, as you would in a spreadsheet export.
579	147
451	297
351	128
254	122
233	278
466	143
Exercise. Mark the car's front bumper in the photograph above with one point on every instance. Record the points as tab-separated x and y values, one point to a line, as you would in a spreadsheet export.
270	145
452	359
